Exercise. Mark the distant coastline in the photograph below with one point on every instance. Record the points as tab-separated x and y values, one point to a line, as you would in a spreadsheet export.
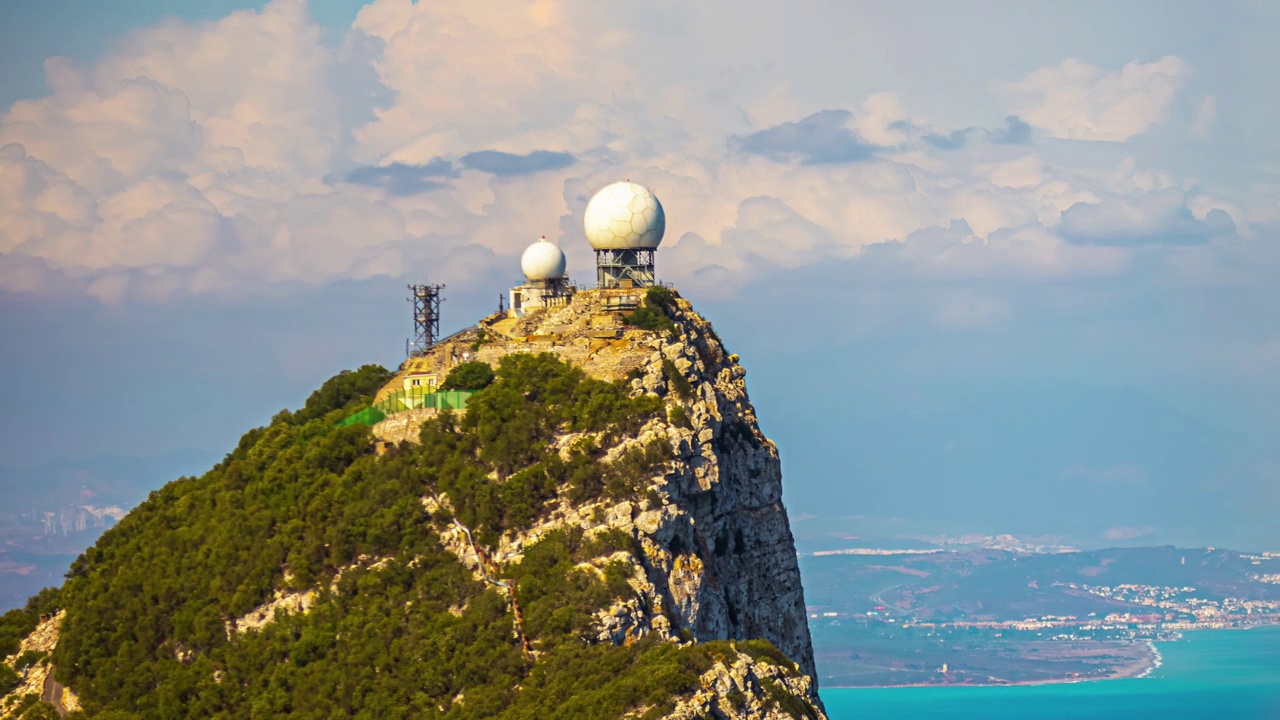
1208	673
1156	662
1140	666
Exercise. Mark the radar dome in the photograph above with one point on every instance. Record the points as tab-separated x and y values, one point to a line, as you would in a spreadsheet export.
625	216
542	260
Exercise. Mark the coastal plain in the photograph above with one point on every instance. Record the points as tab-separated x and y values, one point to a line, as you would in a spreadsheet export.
1000	617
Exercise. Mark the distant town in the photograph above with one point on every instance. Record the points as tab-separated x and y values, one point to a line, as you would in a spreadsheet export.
1022	612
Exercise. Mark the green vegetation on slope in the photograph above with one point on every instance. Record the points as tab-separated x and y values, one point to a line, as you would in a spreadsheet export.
399	627
474	375
17	624
653	313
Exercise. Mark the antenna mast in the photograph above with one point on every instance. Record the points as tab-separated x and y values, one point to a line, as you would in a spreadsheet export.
426	318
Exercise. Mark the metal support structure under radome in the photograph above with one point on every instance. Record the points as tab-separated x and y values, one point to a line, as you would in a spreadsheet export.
426	318
624	268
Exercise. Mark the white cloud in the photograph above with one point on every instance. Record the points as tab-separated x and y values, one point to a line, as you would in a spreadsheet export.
258	84
877	122
1078	101
1152	218
218	156
103	138
485	76
38	202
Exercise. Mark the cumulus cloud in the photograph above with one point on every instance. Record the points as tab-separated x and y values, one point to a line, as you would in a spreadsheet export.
37	202
504	75
401	179
229	155
510	164
1155	218
882	120
823	137
1078	101
1014	132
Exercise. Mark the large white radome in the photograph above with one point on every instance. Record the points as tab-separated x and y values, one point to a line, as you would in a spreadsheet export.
543	260
625	216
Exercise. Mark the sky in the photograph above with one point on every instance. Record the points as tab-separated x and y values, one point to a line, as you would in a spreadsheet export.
991	266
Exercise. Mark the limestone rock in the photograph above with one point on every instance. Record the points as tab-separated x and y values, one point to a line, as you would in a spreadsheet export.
37	678
718	558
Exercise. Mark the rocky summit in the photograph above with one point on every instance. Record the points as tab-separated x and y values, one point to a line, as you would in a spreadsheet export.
568	512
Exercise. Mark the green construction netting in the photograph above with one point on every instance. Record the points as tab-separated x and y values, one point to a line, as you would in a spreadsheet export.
369	416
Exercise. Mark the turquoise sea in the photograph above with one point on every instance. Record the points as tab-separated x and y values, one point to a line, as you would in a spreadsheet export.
1224	674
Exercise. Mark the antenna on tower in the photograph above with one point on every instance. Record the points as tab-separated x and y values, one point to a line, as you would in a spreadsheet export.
426	318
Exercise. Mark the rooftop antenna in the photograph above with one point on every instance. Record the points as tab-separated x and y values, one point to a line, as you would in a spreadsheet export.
426	319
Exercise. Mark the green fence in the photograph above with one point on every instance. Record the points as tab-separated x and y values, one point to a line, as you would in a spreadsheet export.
412	399
415	399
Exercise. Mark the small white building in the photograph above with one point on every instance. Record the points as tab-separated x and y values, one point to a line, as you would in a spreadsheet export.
421	382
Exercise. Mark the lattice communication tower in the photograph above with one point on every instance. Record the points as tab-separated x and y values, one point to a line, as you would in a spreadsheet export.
426	318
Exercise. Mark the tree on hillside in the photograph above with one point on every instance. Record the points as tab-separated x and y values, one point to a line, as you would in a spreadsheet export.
341	389
474	375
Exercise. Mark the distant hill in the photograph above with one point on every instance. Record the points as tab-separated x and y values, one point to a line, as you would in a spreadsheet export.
1003	585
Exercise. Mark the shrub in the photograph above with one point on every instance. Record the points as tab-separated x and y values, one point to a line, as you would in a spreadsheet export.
654	313
40	711
679	383
340	390
788	703
17	624
8	679
27	659
660	297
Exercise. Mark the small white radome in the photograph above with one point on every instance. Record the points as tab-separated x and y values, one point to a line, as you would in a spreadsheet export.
625	216
543	260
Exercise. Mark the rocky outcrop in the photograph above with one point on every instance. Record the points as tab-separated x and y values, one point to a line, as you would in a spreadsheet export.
746	688
37	676
292	601
719	560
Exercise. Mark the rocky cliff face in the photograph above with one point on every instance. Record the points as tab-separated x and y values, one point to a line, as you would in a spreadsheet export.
719	560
